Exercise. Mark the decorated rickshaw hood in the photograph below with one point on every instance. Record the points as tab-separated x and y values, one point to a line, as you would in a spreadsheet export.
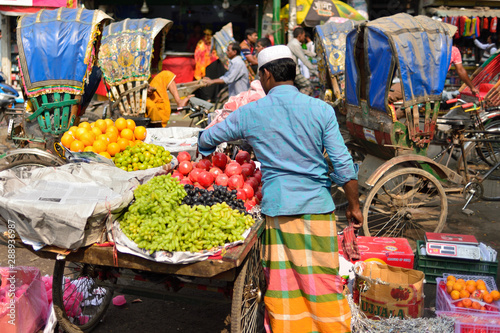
56	49
127	48
417	48
330	42
220	42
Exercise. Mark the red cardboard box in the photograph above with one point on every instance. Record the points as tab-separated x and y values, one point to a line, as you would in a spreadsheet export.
390	251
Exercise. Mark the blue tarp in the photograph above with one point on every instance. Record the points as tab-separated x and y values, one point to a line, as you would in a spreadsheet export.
419	48
55	48
127	48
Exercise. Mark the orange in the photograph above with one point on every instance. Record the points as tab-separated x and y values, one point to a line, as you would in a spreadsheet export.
138	142
467	302
460	304
89	148
79	132
140	132
123	143
482	287
84	125
495	295
101	124
470	288
455	294
449	286
451	277
96	130
461	281
458	286
72	130
92	125
67	139
100	146
130	124
127	134
131	143
113	136
109	122
105	154
480	282
470	282
483	308
476	305
487	298
112	129
103	137
88	138
121	124
464	294
113	148
77	146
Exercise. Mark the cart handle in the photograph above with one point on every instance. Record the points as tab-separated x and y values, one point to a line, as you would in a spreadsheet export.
452	101
467	105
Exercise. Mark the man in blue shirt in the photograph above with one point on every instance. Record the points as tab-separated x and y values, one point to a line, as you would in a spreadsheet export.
236	76
288	132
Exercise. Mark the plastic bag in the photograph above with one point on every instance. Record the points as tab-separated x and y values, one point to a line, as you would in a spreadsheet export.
23	300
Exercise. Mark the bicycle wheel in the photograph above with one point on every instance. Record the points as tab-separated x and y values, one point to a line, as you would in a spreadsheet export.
23	164
80	298
405	203
247	310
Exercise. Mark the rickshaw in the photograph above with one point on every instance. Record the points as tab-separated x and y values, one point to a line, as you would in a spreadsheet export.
57	52
405	196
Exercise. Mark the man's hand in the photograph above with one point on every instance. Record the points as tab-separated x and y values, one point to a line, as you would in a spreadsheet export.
475	91
207	81
355	216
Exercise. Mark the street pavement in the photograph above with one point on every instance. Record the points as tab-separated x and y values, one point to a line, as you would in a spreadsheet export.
151	315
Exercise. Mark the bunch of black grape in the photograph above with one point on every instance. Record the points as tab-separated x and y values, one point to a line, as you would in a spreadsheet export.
198	196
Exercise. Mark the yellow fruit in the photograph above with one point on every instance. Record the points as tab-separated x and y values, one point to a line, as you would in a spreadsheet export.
495	295
96	130
458	286
77	146
85	125
121	124
113	148
127	134
123	143
103	137
140	132
67	139
101	124
464	294
105	154
79	132
72	130
89	148
455	294
130	124
113	136
88	138
100	146
109	122
451	277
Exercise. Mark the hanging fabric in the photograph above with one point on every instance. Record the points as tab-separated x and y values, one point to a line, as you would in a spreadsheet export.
493	25
461	26
478	27
485	23
472	28
466	27
456	22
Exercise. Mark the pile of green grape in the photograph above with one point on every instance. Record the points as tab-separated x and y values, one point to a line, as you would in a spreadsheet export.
142	156
158	221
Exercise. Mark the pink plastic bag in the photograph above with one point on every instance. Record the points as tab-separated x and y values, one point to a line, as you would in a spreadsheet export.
23	300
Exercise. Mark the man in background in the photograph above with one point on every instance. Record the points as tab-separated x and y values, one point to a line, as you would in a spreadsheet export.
295	45
248	48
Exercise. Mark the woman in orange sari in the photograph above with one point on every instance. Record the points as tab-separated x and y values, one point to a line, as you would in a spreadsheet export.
158	103
203	55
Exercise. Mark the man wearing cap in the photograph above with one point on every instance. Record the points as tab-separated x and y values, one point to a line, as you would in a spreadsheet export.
236	76
288	132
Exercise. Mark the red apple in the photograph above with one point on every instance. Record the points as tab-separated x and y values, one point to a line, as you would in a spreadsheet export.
232	169
219	160
221	180
247	169
205	179
248	190
242	157
240	194
235	182
216	171
186	181
183	156
177	174
193	175
185	167
204	164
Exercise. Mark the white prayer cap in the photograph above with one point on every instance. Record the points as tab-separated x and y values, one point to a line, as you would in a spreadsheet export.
273	53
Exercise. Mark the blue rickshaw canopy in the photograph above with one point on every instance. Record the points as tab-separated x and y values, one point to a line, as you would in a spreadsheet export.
417	50
56	49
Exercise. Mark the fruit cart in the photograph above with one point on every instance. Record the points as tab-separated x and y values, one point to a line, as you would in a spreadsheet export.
55	93
99	270
405	196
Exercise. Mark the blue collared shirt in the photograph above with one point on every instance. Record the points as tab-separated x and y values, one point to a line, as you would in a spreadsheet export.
288	132
236	76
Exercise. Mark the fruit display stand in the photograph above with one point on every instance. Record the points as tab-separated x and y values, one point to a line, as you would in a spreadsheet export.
237	270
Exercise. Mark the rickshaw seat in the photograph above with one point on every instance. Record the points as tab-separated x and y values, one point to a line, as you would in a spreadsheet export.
484	89
54	117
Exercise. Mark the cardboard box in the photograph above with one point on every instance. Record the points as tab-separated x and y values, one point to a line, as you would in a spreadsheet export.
386	291
391	251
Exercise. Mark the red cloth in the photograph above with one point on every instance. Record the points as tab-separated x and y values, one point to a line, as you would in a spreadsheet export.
350	243
182	67
493	25
485	23
101	90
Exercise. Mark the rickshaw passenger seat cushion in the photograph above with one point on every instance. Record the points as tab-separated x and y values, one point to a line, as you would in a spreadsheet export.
485	87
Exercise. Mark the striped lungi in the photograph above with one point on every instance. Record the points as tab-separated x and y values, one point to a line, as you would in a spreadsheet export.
301	263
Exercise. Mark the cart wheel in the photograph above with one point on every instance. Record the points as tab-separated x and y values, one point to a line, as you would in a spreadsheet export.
82	300
247	310
405	203
22	163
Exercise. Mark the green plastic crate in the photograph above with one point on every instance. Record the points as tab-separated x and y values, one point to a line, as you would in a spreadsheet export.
435	267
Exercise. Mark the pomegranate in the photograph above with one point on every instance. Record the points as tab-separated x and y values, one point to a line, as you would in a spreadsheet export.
219	160
240	194
247	169
185	167
248	190
258	174
186	181
204	164
222	179
205	179
253	182
216	171
235	182
258	196
193	175
242	157
233	169
183	156
178	175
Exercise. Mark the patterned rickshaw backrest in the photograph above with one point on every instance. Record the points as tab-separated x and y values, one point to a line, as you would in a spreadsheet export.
221	40
418	48
56	49
127	48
